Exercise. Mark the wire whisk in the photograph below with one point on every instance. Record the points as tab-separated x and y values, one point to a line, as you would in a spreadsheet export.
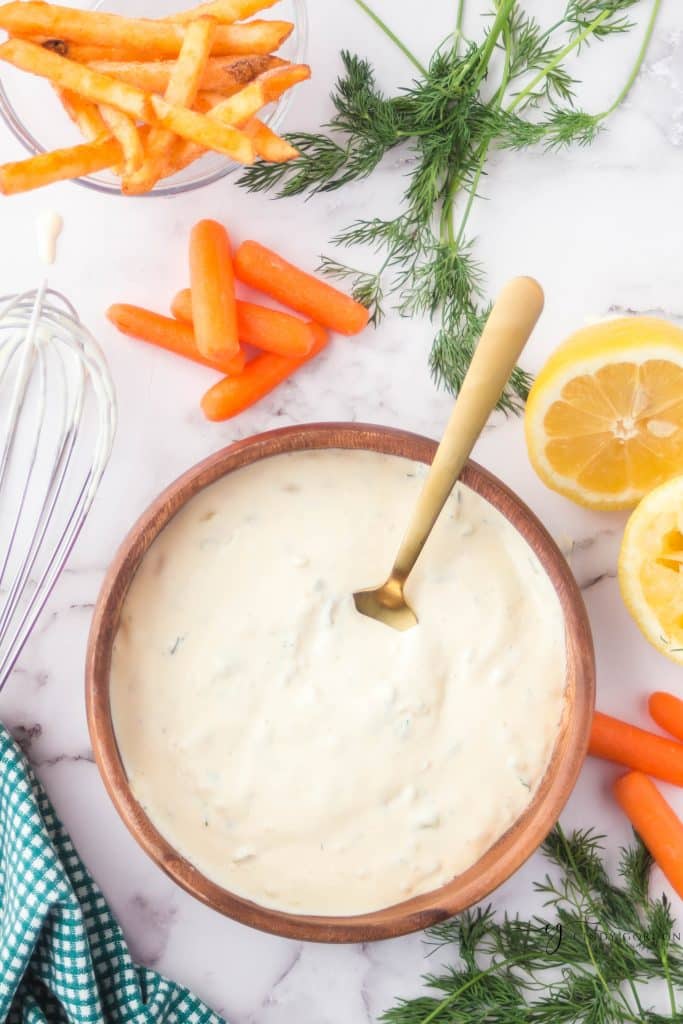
57	425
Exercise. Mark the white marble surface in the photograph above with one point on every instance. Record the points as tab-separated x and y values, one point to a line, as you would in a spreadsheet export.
601	228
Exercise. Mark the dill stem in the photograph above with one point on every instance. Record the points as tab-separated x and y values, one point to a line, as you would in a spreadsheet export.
480	57
472	194
459	17
591	902
557	59
669	983
385	264
635	70
636	997
598	973
499	24
507	40
392	35
445	1003
497	100
446	218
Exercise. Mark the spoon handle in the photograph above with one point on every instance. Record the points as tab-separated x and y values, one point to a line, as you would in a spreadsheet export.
507	330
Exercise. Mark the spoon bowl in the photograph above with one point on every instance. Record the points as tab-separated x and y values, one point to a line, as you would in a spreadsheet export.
387	604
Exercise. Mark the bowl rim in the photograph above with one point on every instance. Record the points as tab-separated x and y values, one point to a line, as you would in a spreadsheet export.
274	118
509	852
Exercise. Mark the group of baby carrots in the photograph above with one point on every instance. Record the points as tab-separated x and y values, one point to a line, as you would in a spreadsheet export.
646	754
210	325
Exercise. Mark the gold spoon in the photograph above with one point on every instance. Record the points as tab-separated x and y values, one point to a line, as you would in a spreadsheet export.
507	330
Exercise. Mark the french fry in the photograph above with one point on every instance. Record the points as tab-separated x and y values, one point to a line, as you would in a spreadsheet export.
55	45
92	85
252	37
151	95
223	10
84	53
224	75
137	36
194	127
238	109
84	114
181	90
46	168
263	90
203	131
268	144
185	79
123	128
207	100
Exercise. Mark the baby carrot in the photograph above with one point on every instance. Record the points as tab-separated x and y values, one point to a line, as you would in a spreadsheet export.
265	270
181	307
655	822
642	751
213	290
170	334
667	711
259	326
232	395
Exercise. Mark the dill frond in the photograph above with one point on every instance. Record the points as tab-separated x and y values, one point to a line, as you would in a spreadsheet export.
581	14
452	353
366	288
570	127
589	961
315	170
449	278
448	119
530	50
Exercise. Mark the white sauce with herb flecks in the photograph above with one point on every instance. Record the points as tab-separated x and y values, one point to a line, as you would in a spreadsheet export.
300	754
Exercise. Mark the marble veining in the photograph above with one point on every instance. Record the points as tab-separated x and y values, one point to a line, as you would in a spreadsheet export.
150	924
602	229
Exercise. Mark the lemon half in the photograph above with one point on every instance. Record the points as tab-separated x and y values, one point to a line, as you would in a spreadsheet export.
651	567
604	419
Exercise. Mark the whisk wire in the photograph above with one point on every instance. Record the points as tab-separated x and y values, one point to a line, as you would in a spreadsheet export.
54	447
27	357
28	354
62	461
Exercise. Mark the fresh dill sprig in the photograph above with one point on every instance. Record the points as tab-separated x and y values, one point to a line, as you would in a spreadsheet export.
589	960
582	13
366	288
460	107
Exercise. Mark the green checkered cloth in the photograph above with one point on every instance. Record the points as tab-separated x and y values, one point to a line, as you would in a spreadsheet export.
63	958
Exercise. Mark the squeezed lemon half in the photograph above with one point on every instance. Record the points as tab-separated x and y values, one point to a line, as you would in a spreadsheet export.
604	419
651	567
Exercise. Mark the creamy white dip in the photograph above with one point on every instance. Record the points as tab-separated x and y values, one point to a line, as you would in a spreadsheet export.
49	225
300	754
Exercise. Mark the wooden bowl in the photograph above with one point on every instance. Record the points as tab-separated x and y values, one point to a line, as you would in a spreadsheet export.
508	853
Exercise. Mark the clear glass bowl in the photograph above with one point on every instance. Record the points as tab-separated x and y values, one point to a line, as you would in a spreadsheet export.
35	117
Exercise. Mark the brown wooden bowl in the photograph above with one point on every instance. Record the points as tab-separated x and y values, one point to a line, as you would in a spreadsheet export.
508	853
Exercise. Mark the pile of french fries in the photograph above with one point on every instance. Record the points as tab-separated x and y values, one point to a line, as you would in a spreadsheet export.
151	96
